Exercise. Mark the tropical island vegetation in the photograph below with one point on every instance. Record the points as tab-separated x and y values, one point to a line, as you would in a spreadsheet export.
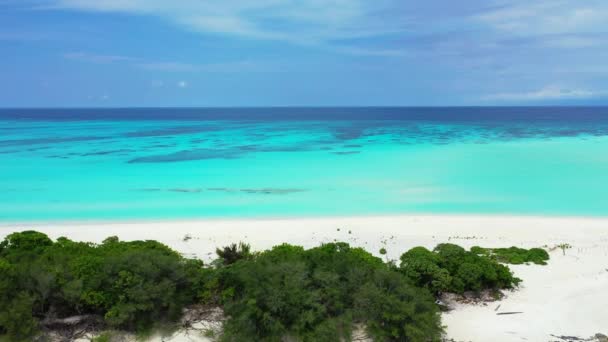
316	294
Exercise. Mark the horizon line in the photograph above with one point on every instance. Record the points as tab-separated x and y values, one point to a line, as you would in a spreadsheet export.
310	107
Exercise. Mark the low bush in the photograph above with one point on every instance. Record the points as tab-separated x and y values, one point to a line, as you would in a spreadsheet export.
287	292
132	285
514	255
317	294
450	268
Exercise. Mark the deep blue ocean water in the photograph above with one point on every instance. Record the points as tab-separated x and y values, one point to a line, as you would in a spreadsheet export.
115	164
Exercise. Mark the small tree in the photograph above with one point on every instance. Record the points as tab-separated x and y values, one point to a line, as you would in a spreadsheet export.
233	253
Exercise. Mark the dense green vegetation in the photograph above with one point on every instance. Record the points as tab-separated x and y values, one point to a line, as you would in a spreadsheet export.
132	285
319	294
450	268
514	255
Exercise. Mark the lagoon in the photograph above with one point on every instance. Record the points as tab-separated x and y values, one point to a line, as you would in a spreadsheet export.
134	164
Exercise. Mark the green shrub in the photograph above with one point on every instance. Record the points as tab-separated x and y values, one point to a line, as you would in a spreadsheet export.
17	244
393	310
16	318
317	294
514	255
422	267
131	284
103	337
450	268
287	292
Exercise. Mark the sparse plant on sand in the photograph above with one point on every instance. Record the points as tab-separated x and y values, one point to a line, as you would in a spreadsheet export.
563	247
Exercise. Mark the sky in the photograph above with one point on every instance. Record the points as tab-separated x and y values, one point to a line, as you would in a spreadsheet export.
141	53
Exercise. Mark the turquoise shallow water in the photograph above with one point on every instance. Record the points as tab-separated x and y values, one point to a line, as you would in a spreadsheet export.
109	169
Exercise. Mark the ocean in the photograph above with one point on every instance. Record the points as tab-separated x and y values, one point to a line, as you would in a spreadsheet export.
170	163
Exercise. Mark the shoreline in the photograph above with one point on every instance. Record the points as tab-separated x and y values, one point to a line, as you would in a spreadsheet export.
128	221
565	298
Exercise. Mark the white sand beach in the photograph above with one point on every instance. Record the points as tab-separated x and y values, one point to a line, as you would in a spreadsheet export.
568	297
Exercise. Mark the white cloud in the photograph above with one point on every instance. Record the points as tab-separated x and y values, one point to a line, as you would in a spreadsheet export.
237	66
98	97
25	36
95	58
168	66
548	17
372	51
182	84
547	93
575	42
296	21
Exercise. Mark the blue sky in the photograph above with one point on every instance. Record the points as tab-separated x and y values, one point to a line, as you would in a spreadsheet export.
94	53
